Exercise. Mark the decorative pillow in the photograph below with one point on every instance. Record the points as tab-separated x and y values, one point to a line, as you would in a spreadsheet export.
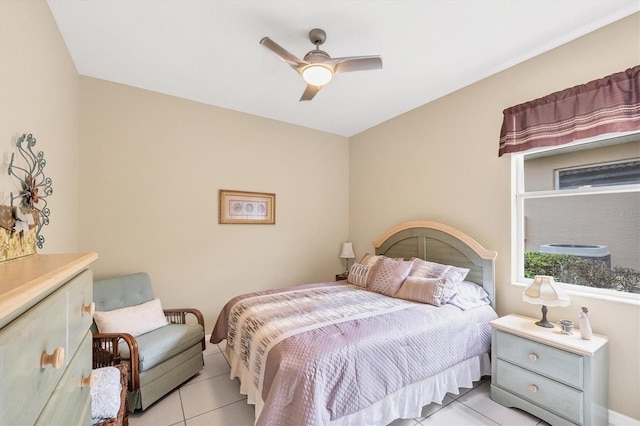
423	290
358	274
135	320
453	274
105	394
388	275
370	259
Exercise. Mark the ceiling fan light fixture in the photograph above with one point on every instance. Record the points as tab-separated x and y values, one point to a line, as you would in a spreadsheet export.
317	75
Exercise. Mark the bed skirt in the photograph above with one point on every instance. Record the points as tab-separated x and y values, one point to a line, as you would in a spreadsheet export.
405	403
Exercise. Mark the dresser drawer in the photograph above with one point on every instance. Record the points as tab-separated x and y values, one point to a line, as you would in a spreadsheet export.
70	401
40	330
563	400
80	293
552	362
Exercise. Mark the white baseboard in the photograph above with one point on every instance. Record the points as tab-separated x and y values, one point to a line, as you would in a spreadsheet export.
617	419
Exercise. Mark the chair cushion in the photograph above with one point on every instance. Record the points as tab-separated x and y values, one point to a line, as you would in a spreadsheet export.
120	292
164	343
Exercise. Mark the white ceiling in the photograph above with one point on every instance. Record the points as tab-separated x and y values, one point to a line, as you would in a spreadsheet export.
208	50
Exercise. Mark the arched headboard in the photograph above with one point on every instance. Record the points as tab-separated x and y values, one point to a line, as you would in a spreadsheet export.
437	242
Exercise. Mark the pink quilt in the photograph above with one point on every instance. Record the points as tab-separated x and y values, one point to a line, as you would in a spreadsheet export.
318	352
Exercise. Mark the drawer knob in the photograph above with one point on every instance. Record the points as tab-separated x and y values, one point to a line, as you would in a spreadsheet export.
56	359
533	357
86	381
89	309
533	388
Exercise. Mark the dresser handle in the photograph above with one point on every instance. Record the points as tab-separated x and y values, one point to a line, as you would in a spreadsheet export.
533	357
89	309
533	388
56	359
86	381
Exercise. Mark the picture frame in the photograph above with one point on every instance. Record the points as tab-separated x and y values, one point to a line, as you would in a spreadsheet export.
237	207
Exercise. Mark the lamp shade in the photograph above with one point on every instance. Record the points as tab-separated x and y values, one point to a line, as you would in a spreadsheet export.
347	251
317	75
545	291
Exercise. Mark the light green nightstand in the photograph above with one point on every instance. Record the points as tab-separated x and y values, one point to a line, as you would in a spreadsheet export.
559	378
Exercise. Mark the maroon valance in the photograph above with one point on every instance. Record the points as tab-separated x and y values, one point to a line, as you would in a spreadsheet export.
610	104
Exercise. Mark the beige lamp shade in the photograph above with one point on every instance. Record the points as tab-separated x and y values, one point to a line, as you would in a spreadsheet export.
545	291
347	251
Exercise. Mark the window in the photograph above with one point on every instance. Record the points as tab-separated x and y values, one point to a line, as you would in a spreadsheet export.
578	215
604	174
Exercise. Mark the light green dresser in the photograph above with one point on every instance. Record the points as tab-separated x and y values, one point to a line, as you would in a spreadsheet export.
46	310
559	378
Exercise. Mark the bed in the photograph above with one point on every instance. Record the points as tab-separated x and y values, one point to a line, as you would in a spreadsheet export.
363	351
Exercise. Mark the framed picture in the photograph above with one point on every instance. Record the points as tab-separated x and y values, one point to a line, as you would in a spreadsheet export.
247	207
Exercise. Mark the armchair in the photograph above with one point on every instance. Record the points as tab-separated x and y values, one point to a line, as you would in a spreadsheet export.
158	360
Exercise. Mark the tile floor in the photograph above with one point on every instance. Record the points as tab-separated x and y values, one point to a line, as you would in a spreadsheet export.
211	398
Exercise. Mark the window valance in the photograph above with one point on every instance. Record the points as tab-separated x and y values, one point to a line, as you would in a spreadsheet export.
610	104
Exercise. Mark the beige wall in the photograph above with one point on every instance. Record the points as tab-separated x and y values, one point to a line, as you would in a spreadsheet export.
439	162
151	167
39	89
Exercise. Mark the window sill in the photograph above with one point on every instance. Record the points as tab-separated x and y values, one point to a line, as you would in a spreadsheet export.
595	293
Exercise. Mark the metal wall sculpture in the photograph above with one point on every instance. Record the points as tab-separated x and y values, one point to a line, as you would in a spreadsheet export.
36	187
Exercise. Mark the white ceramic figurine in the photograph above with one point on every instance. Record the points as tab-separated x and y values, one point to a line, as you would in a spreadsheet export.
585	327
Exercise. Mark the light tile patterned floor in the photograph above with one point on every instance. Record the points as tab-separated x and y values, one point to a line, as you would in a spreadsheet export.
211	398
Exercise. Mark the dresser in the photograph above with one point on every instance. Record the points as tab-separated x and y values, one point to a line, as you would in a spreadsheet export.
559	378
46	310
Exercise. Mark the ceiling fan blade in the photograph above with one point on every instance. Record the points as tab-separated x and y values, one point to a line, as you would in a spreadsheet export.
356	63
310	92
282	53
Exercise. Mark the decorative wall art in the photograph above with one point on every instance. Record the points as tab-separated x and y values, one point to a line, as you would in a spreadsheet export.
36	187
17	232
247	207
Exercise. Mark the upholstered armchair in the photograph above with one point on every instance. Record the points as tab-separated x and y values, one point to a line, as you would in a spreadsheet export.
162	347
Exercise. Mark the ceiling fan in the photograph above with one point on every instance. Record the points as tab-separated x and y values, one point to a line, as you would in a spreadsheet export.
318	68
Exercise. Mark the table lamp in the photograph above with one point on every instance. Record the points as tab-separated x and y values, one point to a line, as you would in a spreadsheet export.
347	253
546	292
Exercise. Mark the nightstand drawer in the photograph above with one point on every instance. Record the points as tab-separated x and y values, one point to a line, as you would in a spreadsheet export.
537	357
564	400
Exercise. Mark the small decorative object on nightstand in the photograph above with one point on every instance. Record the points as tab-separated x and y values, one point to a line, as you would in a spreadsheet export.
585	326
560	378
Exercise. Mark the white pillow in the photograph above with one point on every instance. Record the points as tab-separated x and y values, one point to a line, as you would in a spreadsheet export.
469	295
135	320
105	394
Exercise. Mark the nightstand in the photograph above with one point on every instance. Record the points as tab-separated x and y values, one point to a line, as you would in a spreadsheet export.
560	378
342	276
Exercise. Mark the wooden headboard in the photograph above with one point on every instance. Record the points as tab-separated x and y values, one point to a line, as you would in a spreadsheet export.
444	244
